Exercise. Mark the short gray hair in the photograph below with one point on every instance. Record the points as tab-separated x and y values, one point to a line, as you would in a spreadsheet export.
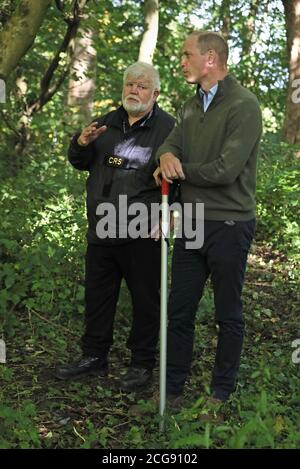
138	69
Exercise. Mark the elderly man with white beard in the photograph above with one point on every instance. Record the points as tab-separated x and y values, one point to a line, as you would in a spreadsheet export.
117	150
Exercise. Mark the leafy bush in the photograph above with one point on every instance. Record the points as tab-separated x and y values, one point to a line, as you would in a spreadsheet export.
42	241
263	417
17	429
278	198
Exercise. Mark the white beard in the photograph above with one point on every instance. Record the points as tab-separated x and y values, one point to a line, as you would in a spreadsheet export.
135	107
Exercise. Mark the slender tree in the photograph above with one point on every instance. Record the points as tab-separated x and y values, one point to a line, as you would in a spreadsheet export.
149	39
83	71
247	40
291	128
250	28
225	18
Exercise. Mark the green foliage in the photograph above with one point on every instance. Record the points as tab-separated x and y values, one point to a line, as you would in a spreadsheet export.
42	241
6	9
278	196
17	429
263	418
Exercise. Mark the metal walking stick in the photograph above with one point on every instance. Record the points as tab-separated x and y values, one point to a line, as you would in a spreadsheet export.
165	219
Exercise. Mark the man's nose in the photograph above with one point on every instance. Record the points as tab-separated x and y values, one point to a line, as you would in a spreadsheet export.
134	88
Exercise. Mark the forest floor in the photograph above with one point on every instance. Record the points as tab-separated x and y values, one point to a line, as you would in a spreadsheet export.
41	412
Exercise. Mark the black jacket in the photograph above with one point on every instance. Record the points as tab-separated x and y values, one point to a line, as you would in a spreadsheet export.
121	162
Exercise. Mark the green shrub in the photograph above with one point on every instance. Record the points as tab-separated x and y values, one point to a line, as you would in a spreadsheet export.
17	428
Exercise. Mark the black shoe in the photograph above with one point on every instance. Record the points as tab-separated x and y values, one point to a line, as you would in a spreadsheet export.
135	379
86	366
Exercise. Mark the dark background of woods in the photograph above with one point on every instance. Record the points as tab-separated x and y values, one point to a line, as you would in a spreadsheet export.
62	62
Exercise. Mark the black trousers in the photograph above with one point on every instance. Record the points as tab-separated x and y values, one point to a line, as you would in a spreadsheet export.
223	256
138	262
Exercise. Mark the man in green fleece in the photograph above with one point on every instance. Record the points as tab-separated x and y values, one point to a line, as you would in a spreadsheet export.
212	151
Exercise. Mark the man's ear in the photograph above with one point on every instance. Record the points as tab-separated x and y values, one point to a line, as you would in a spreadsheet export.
212	56
156	94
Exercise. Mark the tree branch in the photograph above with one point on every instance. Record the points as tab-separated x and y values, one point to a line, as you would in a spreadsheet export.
46	92
70	33
60	5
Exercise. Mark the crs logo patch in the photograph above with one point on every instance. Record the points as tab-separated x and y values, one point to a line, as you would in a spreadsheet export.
115	161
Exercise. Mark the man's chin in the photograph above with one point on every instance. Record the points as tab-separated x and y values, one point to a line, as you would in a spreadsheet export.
133	111
190	80
132	108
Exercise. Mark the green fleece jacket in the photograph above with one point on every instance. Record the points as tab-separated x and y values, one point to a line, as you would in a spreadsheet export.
218	151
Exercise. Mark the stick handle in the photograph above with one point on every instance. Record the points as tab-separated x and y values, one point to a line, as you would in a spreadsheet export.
164	187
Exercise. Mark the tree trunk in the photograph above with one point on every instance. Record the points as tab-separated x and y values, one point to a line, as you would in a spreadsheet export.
19	33
226	18
248	38
291	128
82	86
50	82
149	39
250	28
